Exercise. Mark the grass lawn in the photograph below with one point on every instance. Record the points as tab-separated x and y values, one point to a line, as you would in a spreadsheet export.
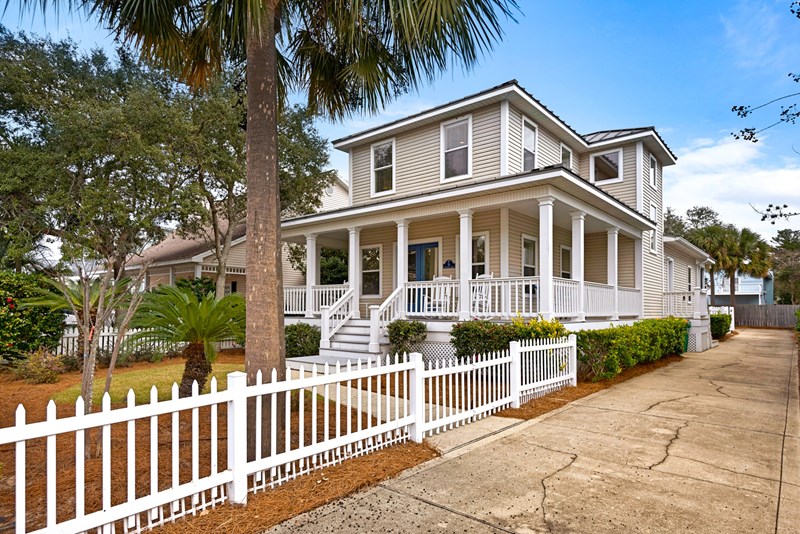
142	380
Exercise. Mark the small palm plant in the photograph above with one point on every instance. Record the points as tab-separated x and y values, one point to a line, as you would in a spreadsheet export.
176	315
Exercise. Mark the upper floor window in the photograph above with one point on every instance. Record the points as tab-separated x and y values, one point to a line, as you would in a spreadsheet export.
653	176
654	218
383	168
528	146
566	157
606	166
457	149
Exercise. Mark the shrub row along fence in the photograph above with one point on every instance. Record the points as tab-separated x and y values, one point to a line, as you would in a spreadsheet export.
160	461
767	315
71	341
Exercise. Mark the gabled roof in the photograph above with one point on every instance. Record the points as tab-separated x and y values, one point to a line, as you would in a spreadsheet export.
175	248
517	95
687	247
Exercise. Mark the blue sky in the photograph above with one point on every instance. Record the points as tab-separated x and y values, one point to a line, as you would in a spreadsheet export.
678	65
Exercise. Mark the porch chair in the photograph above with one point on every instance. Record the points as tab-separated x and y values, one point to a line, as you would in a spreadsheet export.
440	298
482	294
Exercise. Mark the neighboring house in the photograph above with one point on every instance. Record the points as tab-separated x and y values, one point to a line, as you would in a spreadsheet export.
492	206
749	289
177	257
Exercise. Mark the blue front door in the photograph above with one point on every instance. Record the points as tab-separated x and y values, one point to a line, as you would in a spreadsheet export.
423	260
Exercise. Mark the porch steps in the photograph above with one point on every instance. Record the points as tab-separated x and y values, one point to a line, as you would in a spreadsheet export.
350	342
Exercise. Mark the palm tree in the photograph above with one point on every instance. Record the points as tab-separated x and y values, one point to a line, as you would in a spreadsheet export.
749	255
717	241
174	315
346	56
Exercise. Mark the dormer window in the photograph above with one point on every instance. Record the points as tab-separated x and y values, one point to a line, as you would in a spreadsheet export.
606	167
528	146
382	168
457	149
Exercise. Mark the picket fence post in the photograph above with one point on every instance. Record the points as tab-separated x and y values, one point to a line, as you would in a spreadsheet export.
416	396
237	437
516	373
573	359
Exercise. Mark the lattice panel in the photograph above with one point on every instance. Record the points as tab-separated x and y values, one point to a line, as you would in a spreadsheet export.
692	342
433	352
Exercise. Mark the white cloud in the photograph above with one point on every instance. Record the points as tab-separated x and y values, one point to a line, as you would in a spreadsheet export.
730	176
756	32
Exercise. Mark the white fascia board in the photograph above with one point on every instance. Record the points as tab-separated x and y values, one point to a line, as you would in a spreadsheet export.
642	135
163	263
531	102
696	252
441	196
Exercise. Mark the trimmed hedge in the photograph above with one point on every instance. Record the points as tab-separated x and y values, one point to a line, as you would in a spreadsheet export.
720	325
403	335
483	337
608	351
26	330
301	340
797	326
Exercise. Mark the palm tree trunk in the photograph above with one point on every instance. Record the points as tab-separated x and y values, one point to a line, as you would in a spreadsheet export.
264	349
732	279
712	274
197	368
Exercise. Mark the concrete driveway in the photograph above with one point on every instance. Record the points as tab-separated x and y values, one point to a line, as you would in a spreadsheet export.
711	444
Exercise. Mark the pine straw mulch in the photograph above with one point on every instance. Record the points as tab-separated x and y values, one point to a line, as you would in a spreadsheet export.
307	492
536	407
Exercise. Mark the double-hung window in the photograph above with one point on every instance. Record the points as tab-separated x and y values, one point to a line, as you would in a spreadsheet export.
528	145
457	149
383	168
653	170
606	166
689	279
528	257
566	262
478	255
371	271
566	157
654	218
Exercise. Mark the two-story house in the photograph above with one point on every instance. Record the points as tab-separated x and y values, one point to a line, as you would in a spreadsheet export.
493	207
749	289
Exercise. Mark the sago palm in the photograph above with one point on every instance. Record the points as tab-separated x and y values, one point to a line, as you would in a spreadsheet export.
174	315
346	56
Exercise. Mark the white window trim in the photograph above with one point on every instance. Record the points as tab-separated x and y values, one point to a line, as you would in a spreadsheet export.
610	180
653	233
442	178
571	154
379	246
535	240
535	144
561	250
485	234
653	172
391	191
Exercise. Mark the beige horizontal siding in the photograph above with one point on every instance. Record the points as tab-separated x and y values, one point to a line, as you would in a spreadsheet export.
596	253
625	191
514	140
626	262
549	149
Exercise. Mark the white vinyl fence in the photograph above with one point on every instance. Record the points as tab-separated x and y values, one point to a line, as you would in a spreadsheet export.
69	343
162	460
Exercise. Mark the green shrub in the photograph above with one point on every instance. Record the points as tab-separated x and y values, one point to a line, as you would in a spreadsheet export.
40	367
482	337
608	351
403	335
797	326
301	340
72	362
720	325
23	331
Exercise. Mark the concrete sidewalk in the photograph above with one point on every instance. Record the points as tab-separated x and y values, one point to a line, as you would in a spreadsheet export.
711	444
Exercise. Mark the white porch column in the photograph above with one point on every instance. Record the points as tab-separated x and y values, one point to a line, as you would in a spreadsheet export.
198	271
638	271
465	263
546	303
613	269
354	266
578	221
312	272
402	252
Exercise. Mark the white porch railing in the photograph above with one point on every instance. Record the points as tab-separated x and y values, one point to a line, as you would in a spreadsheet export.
354	410
437	298
327	295
598	299
680	303
629	301
504	298
294	300
379	316
335	316
108	338
565	297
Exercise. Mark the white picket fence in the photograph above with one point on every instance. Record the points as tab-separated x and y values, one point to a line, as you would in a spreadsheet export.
108	337
329	414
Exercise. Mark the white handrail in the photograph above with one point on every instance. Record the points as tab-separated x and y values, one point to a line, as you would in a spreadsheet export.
504	297
379	316
679	303
565	297
294	300
327	295
433	298
630	302
598	299
334	317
